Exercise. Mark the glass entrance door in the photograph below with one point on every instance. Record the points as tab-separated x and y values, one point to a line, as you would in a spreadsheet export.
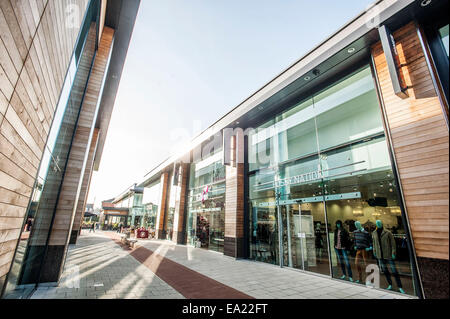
209	229
304	244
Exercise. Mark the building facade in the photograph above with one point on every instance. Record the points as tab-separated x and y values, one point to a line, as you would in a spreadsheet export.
60	66
338	166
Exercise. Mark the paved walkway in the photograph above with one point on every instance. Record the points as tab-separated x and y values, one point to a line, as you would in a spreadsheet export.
98	267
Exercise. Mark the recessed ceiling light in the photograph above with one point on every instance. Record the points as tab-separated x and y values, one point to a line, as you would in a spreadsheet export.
424	3
351	50
307	78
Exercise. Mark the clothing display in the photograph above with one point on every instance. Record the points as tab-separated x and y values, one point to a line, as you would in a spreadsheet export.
384	245
342	238
383	265
384	249
362	239
361	255
344	261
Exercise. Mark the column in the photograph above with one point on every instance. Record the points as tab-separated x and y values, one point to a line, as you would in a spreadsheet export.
234	199
73	177
180	207
419	138
82	201
162	205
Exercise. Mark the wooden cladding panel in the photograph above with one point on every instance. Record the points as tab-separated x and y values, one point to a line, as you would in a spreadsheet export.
234	192
180	209
420	140
162	204
35	50
72	184
81	206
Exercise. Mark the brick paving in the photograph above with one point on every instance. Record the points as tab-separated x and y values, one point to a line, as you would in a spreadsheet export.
98	267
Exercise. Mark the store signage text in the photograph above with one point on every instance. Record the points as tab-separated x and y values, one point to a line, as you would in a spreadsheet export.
303	178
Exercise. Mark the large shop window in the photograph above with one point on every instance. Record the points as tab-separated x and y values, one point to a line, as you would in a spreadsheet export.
323	196
150	205
205	227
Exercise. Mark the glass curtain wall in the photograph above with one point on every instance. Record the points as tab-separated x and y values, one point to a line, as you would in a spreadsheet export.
323	196
31	250
137	209
205	225
150	203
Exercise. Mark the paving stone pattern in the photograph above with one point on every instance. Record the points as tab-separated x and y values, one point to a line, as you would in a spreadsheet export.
98	267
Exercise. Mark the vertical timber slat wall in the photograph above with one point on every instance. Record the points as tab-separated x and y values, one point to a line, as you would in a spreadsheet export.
160	234
420	140
70	195
36	45
234	200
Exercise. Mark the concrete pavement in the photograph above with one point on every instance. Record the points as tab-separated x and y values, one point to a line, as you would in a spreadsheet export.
97	267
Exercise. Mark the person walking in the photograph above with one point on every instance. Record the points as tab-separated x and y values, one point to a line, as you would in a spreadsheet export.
92	228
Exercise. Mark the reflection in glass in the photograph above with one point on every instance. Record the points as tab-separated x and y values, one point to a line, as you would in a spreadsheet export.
205	226
150	202
443	33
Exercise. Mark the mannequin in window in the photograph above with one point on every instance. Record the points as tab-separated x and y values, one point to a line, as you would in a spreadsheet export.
384	250
363	244
341	245
273	243
318	241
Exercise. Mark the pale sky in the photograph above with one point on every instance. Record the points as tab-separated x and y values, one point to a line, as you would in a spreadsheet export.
192	61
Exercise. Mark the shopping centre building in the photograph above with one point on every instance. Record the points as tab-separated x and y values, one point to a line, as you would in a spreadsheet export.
60	66
338	166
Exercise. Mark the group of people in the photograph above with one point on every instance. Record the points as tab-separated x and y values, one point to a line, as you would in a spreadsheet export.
93	227
382	244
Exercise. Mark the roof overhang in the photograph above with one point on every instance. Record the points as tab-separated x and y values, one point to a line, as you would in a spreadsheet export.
121	16
330	57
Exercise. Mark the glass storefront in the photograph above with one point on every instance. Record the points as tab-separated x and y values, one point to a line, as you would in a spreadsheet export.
323	197
137	209
205	226
32	247
150	200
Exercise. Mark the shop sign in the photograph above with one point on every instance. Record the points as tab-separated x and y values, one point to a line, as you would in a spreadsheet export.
315	199
204	210
392	60
299	179
303	178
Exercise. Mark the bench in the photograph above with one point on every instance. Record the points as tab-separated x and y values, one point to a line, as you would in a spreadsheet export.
127	241
131	242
